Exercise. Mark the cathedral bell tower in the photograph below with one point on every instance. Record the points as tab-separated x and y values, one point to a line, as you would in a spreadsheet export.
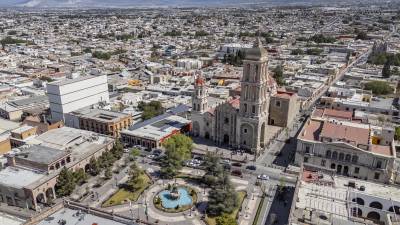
199	97
254	98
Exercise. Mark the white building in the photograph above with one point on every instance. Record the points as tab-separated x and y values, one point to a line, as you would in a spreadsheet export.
71	94
189	64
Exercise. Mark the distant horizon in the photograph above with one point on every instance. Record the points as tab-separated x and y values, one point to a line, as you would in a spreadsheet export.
178	3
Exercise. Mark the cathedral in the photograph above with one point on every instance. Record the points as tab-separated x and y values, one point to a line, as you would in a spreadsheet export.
241	121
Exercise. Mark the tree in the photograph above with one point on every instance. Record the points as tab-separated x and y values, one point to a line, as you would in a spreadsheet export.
214	170
135	153
65	183
225	219
151	109
117	150
397	133
80	176
379	87
386	72
136	179
297	52
278	75
108	173
178	149
361	35
94	167
222	200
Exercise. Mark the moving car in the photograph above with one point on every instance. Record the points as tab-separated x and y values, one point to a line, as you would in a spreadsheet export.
263	177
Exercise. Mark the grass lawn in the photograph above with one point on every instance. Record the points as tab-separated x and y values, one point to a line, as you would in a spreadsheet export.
122	195
212	220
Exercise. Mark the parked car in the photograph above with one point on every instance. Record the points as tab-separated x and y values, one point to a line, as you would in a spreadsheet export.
251	167
226	161
237	173
263	177
127	150
151	156
236	164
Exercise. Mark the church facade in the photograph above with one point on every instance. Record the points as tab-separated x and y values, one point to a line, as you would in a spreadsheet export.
240	122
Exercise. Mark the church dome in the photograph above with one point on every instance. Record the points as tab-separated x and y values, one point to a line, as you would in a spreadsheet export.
257	53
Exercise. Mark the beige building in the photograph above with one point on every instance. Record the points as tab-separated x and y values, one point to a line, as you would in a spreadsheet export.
242	121
31	174
347	148
283	108
99	121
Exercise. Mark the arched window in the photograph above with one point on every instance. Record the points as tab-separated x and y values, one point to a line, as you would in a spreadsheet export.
354	159
359	201
333	166
357	212
348	157
395	209
328	154
376	205
341	156
374	216
334	155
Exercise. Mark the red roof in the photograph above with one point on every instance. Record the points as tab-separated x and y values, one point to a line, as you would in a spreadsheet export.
199	81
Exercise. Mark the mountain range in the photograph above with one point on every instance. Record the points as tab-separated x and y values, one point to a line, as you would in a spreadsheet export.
158	3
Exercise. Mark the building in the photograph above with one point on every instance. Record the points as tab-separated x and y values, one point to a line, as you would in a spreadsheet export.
71	94
323	198
347	148
153	132
6	126
32	169
283	108
14	110
242	121
99	121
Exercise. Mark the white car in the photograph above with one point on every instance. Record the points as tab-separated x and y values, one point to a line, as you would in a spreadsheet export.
127	150
263	177
151	156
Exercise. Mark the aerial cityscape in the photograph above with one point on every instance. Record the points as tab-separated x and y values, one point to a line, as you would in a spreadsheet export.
183	112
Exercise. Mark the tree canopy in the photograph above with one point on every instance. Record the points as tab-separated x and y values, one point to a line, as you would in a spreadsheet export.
151	109
178	149
379	87
65	183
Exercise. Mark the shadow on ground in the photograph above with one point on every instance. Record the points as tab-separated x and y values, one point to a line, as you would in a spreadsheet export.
280	208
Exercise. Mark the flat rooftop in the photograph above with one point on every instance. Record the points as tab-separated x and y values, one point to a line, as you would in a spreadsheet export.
19	177
71	81
40	154
157	127
100	115
75	217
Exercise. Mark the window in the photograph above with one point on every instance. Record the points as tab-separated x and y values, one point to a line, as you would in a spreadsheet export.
323	162
278	103
307	149
328	154
348	158
253	110
379	164
376	176
245	107
341	156
245	130
334	155
354	159
357	170
305	159
226	120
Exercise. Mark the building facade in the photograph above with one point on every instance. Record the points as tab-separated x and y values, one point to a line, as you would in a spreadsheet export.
71	94
347	148
241	122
